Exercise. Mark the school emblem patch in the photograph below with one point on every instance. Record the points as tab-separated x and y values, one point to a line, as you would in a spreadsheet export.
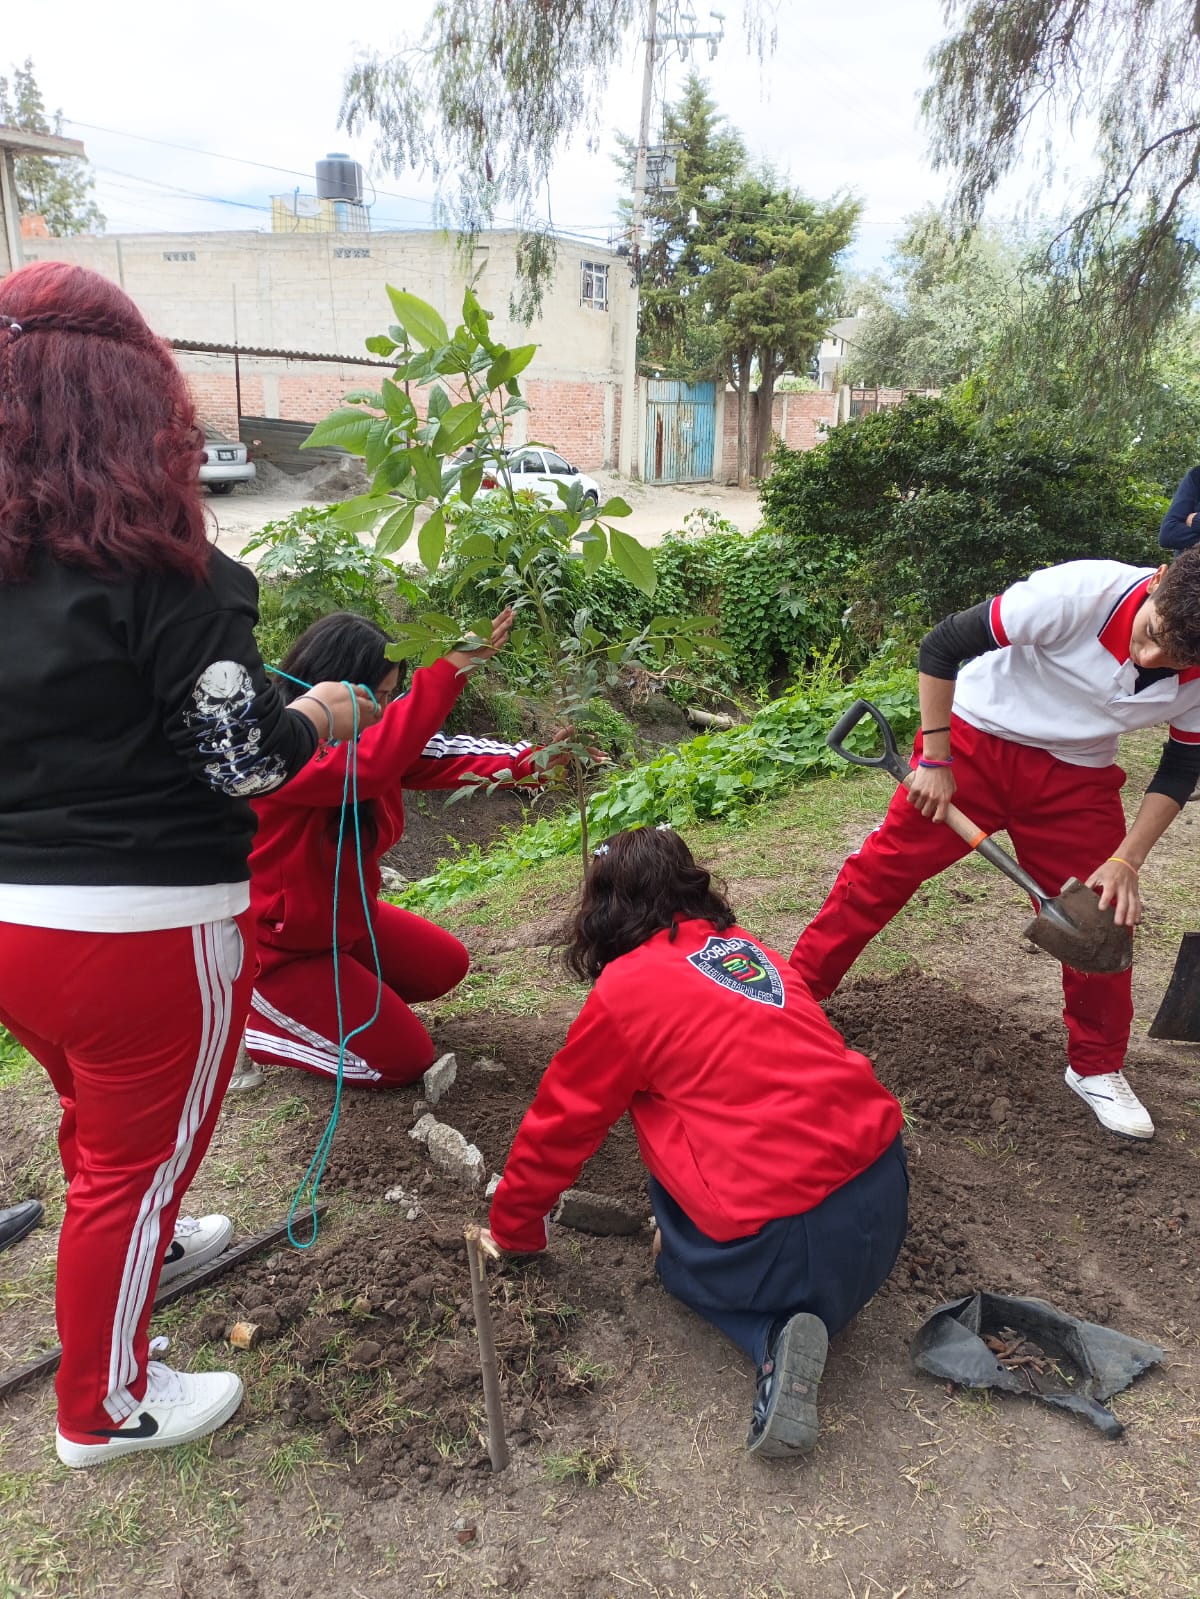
740	966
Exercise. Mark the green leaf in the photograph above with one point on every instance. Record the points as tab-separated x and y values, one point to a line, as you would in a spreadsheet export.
508	363
393	535
396	403
633	560
615	507
474	546
468	483
428	470
360	513
378	443
419	319
380	344
459	426
438	404
347	429
364	397
594	548
472	570
476	318
431	541
411	638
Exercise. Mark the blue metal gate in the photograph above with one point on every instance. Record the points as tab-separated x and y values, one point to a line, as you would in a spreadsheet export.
680	431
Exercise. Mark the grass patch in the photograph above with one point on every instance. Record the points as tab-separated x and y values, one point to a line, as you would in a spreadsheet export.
591	1465
15	1062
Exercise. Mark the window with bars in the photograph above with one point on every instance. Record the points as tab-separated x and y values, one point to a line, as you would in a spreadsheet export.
593	288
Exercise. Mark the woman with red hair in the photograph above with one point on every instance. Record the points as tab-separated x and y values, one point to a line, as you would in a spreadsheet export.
138	721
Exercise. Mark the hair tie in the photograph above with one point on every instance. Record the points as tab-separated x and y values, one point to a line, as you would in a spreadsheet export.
600	849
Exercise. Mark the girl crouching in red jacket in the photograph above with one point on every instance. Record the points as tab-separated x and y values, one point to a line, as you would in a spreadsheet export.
294	1014
777	1174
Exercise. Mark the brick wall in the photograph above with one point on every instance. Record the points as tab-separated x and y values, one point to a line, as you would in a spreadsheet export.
798	419
570	418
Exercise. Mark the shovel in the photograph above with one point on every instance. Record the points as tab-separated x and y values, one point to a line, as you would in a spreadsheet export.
1070	926
1178	1016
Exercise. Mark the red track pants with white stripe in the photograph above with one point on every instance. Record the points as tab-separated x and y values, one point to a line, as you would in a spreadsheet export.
139	1032
1063	821
294	1013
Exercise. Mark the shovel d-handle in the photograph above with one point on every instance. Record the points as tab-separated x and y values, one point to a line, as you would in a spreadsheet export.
892	762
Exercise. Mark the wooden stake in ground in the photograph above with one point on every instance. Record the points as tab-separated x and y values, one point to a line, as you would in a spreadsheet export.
497	1442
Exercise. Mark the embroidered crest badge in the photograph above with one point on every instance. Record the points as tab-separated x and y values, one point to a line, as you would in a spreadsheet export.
740	966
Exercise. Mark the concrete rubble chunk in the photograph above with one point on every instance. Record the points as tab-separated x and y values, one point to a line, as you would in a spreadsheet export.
597	1213
493	1184
439	1079
423	1128
451	1153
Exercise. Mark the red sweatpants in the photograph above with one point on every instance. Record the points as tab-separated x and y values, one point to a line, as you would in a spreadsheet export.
293	1015
1063	822
139	1032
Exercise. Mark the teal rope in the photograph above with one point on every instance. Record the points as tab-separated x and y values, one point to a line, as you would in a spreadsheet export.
316	1166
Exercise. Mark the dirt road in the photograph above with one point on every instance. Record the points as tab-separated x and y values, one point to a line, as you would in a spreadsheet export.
656	510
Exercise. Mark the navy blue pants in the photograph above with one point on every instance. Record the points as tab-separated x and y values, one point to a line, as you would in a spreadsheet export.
829	1261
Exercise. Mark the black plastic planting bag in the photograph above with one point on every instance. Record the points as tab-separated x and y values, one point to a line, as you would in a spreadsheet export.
1090	1363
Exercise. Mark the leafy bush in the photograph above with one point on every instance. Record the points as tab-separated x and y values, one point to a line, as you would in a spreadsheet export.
712	777
916	511
311	566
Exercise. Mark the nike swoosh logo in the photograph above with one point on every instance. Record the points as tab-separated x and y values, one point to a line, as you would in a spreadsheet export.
147	1427
173	1254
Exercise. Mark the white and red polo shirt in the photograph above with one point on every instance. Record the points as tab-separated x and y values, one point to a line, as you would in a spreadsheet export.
1062	678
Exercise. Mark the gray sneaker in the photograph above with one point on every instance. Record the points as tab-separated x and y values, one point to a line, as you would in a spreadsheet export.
784	1419
246	1075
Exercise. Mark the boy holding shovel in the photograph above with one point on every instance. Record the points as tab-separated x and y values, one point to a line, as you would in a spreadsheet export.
1023	701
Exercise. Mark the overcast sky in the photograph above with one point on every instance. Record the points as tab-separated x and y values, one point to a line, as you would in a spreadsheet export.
835	106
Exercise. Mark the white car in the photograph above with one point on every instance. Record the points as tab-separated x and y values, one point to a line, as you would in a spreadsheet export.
531	466
225	463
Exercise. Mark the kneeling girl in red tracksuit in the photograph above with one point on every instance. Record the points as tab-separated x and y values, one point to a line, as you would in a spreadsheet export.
777	1173
294	1014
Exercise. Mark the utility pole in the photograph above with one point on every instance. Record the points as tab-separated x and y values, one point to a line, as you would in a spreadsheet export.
16	142
628	462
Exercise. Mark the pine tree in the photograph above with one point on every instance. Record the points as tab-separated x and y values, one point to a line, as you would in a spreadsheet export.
58	188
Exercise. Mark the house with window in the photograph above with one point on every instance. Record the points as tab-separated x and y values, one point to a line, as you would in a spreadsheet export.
291	296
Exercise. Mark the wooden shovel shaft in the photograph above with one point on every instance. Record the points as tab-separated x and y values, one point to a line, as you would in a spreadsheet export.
983	844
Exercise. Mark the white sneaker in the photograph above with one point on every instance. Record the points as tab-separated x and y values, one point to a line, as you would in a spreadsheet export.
178	1407
1116	1105
194	1243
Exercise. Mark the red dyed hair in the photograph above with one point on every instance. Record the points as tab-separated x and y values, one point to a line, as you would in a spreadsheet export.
99	448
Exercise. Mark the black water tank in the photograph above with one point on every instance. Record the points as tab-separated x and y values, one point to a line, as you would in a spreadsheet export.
339	178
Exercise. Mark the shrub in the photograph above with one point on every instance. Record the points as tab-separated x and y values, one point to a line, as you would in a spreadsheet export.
917	512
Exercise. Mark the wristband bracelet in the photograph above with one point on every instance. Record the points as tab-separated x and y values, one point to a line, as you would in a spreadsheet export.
949	761
1121	861
928	732
328	713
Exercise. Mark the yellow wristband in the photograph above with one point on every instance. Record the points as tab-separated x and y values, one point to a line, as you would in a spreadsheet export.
1122	862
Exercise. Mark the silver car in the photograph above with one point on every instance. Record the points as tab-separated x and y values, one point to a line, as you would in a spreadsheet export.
225	463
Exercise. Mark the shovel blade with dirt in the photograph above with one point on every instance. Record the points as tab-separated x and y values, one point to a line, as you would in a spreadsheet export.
1069	925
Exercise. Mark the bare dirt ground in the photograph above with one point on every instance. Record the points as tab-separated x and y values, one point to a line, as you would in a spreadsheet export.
357	1461
656	509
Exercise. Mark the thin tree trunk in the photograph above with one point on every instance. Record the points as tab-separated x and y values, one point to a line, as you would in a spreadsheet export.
769	368
743	451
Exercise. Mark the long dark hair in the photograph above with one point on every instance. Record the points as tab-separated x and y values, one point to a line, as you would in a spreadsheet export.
340	648
99	448
639	882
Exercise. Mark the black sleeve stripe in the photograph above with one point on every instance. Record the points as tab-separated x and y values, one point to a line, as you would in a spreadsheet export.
956	639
